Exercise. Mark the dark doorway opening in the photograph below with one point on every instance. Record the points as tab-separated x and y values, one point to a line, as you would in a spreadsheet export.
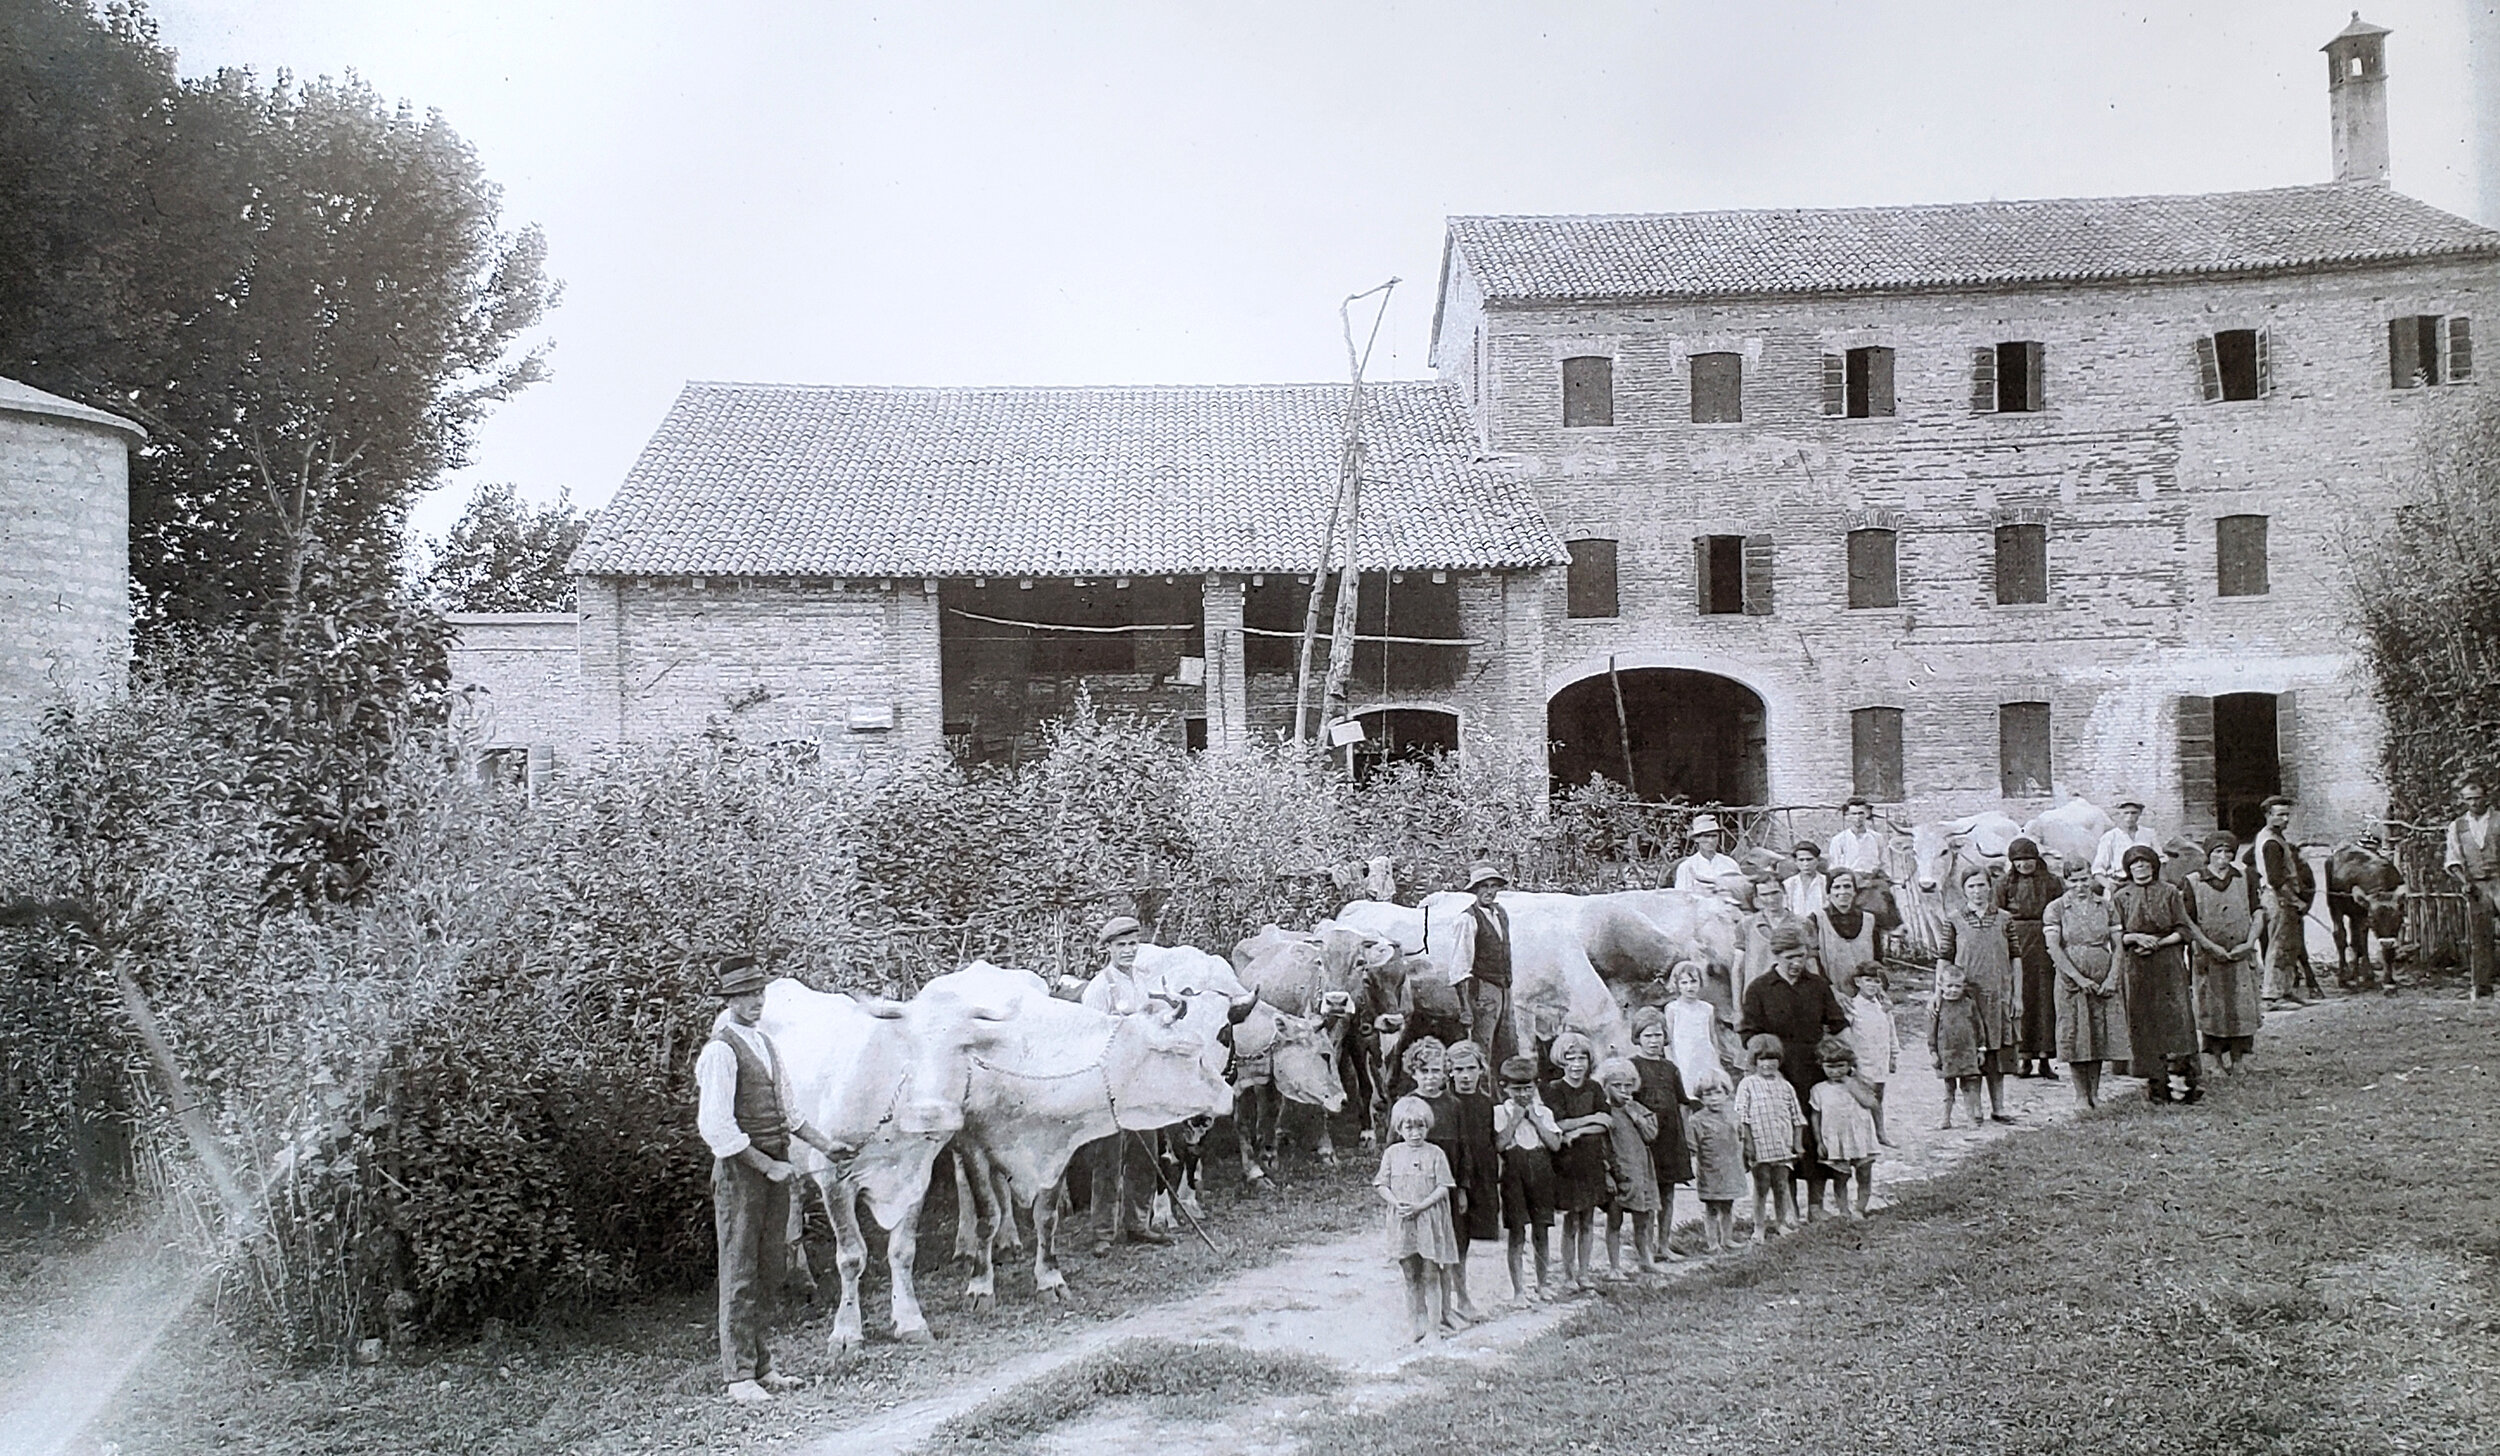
2248	767
1694	735
1398	735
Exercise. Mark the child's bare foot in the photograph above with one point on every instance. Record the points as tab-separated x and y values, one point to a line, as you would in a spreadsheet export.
1883	1141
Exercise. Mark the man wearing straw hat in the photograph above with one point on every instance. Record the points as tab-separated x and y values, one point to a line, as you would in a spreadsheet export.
1120	1169
1705	869
1479	965
746	1115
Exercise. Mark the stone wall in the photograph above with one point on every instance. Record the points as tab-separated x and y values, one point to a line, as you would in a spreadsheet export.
64	565
2127	466
519	679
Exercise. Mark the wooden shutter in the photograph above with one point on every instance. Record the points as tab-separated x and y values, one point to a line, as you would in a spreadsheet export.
2265	363
1588	392
1879	382
1757	576
2199	812
1875	754
1835	384
1701	574
2460	349
2023	766
1983	380
2287	742
2404	353
1874	569
2208	368
2035	369
1589	585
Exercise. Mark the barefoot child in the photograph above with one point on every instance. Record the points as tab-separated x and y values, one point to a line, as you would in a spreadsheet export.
1633	1176
1844	1118
1524	1130
1718	1165
1414	1180
1662	1092
1770	1120
1953	1035
1427	1064
1875	1035
1476	1208
1579	1107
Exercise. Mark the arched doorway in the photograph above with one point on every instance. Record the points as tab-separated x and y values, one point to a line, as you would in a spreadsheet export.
1391	735
1692	735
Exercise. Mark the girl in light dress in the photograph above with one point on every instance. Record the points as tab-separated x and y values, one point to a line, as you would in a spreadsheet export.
1844	1118
1875	1035
1769	1120
1693	1032
1415	1182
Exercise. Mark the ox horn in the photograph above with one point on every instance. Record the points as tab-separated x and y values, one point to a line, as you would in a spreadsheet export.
1238	1010
882	1008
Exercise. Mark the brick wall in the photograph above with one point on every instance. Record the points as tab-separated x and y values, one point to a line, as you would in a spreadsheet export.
519	675
2127	466
64	565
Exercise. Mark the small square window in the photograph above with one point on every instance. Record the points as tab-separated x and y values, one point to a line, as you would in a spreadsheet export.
1588	392
2022	564
1867	383
2008	378
1718	389
2240	556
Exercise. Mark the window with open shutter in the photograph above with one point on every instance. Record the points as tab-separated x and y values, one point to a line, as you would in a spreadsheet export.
1588	392
1758	575
2196	766
2460	349
1867	383
2208	368
1835	384
1874	569
2237	373
1983	380
1875	754
2022	565
1718	389
2023	750
1589	586
2414	351
1720	575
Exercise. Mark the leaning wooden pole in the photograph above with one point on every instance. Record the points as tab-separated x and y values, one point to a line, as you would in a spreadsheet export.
1623	730
1350	490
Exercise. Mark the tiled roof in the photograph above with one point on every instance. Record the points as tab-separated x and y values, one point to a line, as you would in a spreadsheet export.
25	399
1956	245
839	481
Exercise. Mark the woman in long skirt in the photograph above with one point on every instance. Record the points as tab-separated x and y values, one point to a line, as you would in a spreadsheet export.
2153	931
2091	1019
2222	899
2024	895
1976	942
1844	933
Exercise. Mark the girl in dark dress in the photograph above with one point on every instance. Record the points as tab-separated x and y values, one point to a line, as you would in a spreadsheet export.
1452	1082
1662	1092
1579	1108
2024	895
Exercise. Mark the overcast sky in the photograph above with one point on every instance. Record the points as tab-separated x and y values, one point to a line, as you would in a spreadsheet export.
1104	192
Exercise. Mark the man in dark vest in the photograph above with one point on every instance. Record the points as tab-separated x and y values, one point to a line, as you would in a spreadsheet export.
743	1109
2284	886
1480	965
2473	858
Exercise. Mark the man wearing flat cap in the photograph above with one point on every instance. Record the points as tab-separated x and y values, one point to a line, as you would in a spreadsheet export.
744	1110
2131	830
1120	1169
1479	965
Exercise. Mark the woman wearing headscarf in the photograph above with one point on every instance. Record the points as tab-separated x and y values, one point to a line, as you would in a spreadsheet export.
2024	895
2091	1019
1844	933
1976	942
2153	932
2222	901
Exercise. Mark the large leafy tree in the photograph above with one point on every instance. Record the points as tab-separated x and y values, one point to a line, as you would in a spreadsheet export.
304	293
507	555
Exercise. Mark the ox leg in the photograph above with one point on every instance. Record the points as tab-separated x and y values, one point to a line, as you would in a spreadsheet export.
902	1248
1003	1198
1327	1135
1049	1285
970	1212
850	1256
977	1185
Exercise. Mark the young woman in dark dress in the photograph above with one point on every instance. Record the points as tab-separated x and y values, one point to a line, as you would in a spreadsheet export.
2024	895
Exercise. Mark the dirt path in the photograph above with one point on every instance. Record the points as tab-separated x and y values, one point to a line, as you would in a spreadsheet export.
1339	1301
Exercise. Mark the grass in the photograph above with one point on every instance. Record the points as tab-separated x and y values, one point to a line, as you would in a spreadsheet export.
644	1376
1162	1379
2307	1262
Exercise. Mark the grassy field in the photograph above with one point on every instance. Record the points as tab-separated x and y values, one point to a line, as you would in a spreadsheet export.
2307	1262
644	1377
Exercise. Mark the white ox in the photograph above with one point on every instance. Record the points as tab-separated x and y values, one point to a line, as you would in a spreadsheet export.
1059	1076
886	1078
2069	835
1553	980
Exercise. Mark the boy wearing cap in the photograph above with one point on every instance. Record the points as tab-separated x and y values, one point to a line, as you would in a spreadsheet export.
2130	832
747	1117
1703	869
1120	1169
1480	965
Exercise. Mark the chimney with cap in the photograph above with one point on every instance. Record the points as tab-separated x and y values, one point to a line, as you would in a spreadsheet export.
2356	92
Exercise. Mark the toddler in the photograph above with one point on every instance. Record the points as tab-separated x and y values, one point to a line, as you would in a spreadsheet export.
1524	1131
1631	1174
1875	1035
1770	1120
1718	1165
1414	1180
1953	1035
1844	1119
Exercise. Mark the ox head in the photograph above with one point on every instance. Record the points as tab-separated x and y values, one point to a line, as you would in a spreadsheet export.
1304	1061
954	1018
1163	1067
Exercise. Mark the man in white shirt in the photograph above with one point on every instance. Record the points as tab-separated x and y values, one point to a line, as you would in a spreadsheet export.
747	1117
2284	889
2109	856
1858	847
1120	1169
1704	869
2473	859
1477	958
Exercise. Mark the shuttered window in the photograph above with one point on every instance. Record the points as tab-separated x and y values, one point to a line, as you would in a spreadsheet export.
2009	378
1875	754
2022	564
1732	575
1718	389
2240	556
1874	569
1590	585
2023	749
2427	349
2234	364
1857	385
1588	392
2198	803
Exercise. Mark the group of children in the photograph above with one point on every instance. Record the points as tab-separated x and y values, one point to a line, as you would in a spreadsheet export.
1579	1136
